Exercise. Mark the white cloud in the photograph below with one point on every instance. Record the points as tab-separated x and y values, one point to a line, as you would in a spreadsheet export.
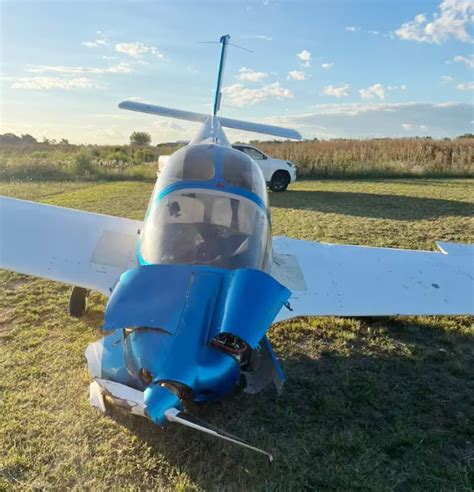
297	75
260	36
163	124
119	68
465	86
461	86
47	83
374	33
352	29
376	90
251	75
240	96
401	87
137	50
453	20
305	57
469	60
410	127
447	79
327	66
94	44
333	91
368	120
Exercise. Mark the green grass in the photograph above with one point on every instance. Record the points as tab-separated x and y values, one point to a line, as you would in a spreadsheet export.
383	404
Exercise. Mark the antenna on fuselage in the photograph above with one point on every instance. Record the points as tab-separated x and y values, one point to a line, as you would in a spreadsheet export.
220	74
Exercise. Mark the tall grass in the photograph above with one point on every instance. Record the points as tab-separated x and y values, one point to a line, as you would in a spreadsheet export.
70	162
314	159
378	157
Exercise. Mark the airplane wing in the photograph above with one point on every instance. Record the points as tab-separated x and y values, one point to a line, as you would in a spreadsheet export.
343	280
79	248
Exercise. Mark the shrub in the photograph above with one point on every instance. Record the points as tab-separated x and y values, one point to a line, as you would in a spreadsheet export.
143	155
82	164
118	156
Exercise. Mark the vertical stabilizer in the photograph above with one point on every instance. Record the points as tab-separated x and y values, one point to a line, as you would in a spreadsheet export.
220	74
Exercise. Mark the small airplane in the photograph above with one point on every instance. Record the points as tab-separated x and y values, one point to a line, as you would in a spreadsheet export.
194	288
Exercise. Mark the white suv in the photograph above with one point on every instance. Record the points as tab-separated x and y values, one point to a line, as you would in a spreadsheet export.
277	172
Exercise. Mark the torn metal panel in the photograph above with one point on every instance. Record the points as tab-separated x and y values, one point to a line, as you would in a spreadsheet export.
267	371
123	396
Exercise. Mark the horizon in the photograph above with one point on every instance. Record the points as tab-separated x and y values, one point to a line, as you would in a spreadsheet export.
329	70
251	141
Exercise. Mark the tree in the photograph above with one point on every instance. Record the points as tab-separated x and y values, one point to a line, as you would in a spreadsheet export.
27	138
140	138
9	138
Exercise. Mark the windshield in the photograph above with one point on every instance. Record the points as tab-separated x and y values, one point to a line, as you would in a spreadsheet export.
206	228
191	163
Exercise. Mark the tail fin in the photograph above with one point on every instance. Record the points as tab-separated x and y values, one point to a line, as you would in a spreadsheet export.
220	74
183	418
276	131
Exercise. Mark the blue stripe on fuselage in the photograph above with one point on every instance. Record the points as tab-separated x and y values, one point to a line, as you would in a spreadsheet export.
214	186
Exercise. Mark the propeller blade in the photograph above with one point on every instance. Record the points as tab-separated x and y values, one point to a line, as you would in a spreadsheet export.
183	418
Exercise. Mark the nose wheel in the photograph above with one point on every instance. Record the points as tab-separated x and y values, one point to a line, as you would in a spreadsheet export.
78	301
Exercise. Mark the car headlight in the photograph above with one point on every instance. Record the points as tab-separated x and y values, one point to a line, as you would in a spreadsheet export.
290	164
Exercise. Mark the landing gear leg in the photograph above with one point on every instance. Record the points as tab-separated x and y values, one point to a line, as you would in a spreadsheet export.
78	301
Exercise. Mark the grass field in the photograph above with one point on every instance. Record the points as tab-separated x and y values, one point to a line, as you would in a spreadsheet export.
383	404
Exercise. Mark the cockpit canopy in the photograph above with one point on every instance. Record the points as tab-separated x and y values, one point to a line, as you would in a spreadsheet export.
206	227
209	207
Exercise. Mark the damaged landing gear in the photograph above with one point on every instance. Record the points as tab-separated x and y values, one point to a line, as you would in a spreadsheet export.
78	301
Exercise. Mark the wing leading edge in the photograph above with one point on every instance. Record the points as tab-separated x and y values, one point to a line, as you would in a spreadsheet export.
343	280
79	248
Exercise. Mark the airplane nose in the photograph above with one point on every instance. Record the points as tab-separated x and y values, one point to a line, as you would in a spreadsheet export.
157	400
179	324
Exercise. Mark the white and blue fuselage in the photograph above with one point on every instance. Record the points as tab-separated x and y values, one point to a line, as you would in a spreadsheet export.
188	317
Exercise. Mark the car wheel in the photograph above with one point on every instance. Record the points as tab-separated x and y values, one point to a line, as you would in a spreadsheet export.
78	301
280	181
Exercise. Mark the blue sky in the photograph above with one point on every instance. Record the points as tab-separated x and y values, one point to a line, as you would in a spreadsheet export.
333	68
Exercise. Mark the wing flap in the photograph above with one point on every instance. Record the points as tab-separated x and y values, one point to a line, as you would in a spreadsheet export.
71	246
344	280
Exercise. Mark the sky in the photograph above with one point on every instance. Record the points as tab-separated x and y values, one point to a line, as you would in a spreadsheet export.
330	69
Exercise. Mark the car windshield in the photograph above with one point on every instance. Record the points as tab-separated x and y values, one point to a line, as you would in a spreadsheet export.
206	228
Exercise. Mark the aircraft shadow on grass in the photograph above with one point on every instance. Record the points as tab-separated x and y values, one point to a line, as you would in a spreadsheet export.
395	207
333	410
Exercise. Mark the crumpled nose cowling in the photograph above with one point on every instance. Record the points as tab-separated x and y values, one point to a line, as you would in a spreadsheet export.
171	313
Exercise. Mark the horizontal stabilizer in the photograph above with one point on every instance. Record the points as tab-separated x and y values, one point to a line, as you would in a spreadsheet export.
247	126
